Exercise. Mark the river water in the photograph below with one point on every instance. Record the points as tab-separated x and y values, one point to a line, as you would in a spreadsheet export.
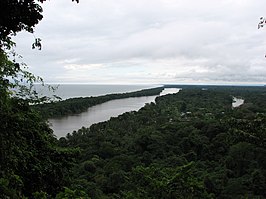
102	112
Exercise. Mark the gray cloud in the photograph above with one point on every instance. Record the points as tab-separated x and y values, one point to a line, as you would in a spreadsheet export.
158	41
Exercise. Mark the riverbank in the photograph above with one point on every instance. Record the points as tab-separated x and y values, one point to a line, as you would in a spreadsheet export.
213	150
101	112
78	105
69	115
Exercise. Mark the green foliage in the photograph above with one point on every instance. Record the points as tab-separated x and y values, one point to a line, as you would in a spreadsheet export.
162	152
157	182
31	162
71	194
40	195
29	152
187	145
16	16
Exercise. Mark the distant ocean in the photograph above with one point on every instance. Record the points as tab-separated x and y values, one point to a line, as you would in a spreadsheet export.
66	91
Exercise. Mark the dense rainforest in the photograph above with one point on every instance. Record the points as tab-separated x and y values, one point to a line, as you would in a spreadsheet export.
187	145
192	144
32	164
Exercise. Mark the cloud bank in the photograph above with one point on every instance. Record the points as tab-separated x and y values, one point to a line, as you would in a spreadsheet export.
159	41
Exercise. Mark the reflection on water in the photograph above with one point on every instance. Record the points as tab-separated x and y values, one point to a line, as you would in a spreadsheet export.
100	113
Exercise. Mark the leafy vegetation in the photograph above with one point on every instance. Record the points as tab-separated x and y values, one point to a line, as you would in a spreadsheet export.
31	162
187	145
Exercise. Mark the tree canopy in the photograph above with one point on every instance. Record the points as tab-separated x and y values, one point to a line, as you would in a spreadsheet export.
187	145
18	15
29	153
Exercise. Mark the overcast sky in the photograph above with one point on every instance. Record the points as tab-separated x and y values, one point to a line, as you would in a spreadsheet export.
149	41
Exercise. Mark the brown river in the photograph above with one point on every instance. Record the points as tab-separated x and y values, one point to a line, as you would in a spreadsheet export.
102	112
